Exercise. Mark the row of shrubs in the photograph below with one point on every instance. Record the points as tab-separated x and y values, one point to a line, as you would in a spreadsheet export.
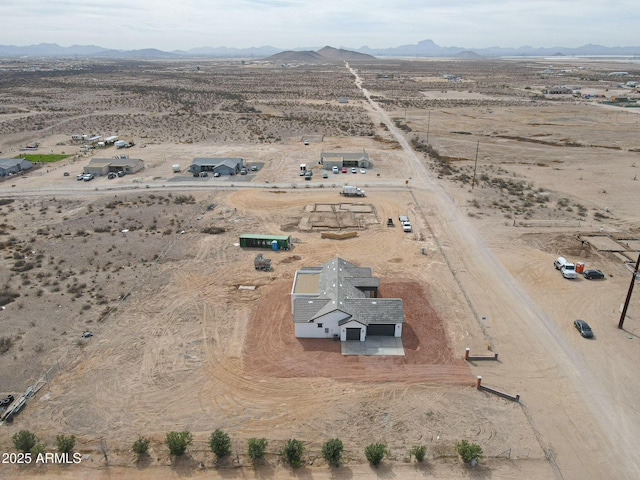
220	444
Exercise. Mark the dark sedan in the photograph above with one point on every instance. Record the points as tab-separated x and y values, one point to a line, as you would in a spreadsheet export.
593	274
584	328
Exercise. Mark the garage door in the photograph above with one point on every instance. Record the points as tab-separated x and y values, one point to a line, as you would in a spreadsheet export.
353	334
381	330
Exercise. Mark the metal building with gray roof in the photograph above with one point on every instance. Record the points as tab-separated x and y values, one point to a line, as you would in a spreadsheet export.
340	300
13	165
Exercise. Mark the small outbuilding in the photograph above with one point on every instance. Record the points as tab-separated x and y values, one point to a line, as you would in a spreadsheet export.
13	165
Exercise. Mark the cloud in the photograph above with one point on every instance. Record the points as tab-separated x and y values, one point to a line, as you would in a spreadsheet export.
170	24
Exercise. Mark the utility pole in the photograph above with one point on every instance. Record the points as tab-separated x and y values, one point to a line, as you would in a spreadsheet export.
428	123
475	167
626	302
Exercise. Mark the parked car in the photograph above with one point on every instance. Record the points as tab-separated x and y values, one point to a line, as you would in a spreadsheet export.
362	170
66	174
216	174
354	170
593	274
80	176
254	168
335	169
306	142
112	175
344	170
243	171
204	174
325	175
584	328
87	177
121	173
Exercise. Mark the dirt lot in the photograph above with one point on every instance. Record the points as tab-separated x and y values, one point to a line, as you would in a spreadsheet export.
177	345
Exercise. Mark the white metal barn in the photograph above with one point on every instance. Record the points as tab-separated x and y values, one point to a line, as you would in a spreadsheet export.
340	300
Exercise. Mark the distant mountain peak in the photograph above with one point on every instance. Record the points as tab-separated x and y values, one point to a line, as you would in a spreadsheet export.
325	54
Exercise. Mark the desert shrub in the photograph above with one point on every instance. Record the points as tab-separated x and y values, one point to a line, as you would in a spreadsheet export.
177	442
220	443
182	199
7	296
65	444
292	452
419	451
140	446
375	453
213	230
24	440
5	344
37	449
332	451
468	451
256	448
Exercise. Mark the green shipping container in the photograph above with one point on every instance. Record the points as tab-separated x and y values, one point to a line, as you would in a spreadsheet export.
251	240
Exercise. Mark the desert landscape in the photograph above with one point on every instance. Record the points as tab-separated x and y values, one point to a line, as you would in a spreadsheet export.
498	178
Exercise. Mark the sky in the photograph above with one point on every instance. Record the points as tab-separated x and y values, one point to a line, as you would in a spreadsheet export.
183	24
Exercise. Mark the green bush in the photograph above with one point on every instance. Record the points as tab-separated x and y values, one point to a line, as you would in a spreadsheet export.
24	440
65	444
177	442
220	443
419	451
140	446
468	451
292	452
375	453
256	448
39	448
332	451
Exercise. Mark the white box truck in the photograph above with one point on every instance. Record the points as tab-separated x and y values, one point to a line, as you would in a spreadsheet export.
352	191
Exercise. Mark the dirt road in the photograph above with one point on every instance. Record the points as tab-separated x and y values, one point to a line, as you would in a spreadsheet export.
593	436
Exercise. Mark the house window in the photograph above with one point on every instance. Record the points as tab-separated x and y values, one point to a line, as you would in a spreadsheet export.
319	325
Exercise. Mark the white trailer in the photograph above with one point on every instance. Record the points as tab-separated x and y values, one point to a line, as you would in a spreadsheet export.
120	144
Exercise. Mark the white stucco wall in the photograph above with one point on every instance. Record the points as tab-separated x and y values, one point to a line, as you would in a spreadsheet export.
311	330
398	332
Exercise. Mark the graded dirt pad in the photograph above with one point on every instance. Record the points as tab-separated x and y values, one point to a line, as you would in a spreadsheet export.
187	349
272	350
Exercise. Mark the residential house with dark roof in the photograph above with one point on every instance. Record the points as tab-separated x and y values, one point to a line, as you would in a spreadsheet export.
340	300
223	166
328	160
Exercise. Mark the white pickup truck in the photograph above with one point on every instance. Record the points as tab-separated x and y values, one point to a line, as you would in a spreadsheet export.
404	221
567	269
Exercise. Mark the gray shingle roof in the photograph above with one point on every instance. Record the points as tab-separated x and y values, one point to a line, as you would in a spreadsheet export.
339	286
10	162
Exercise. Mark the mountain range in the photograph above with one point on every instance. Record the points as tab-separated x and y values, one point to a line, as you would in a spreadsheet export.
425	48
